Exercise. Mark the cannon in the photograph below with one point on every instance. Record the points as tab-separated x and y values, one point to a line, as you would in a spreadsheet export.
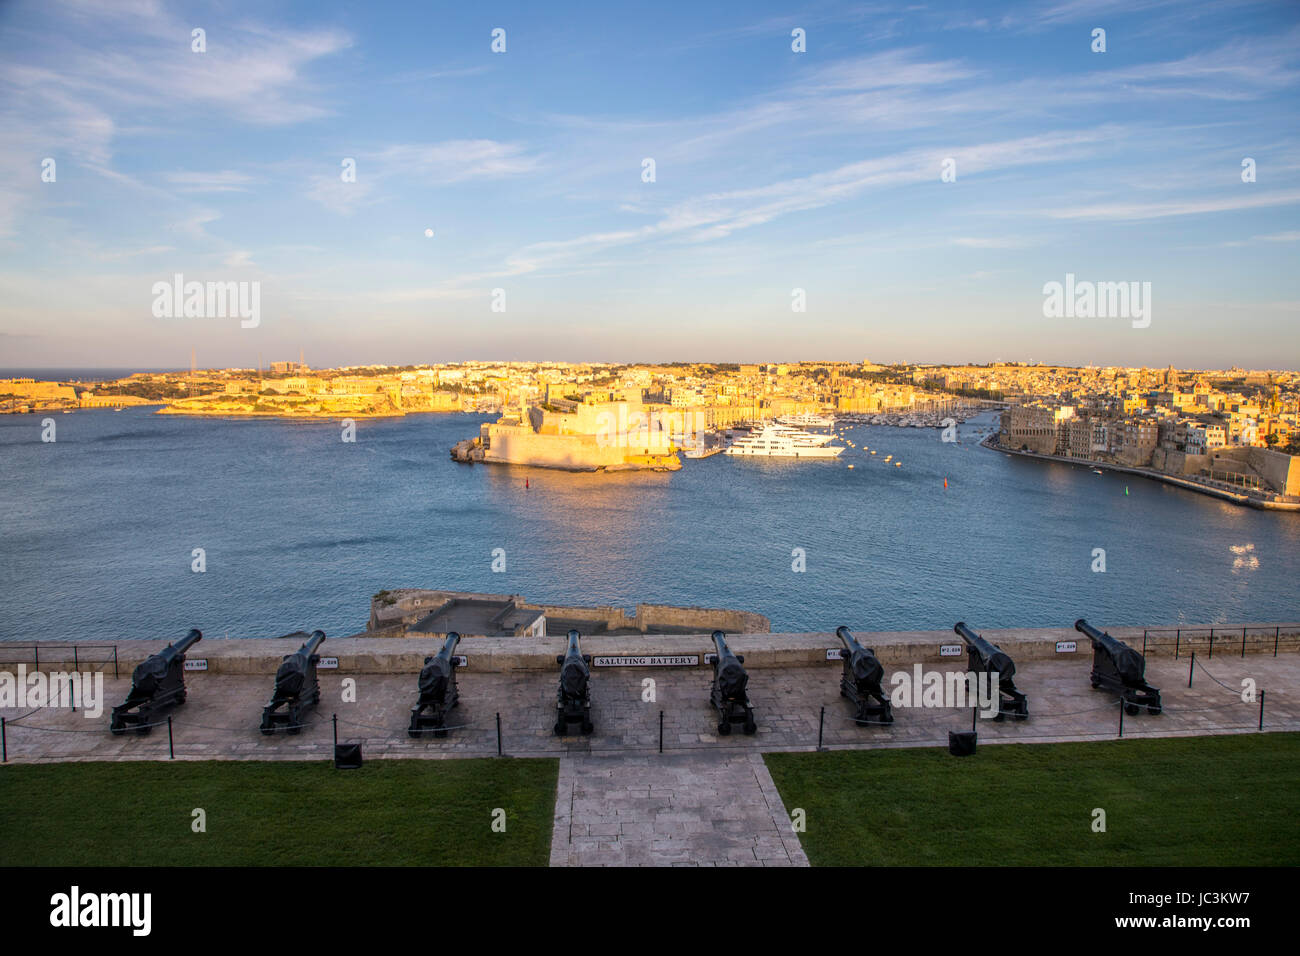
860	681
729	694
438	694
296	686
573	699
985	657
1119	668
156	684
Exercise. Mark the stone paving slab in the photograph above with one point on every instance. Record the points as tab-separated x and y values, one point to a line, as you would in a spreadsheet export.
694	809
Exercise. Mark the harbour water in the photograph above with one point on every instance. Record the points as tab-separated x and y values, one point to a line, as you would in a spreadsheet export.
299	529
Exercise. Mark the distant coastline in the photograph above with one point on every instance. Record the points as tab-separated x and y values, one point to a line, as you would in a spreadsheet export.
1252	501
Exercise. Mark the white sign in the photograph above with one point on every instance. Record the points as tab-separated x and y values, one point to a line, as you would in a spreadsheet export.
199	664
950	650
460	660
328	664
649	660
1065	647
835	653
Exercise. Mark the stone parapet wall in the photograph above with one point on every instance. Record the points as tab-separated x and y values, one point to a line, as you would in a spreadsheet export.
378	655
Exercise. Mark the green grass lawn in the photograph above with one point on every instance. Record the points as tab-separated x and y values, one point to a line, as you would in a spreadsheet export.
389	812
1203	801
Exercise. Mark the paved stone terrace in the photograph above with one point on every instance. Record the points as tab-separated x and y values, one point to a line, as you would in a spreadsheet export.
708	799
220	719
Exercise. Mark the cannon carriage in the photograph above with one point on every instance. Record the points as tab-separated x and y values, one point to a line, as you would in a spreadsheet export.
296	687
729	694
1120	669
860	681
573	697
438	691
157	684
985	657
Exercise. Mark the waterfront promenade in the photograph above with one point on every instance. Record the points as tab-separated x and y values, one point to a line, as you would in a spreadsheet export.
1216	489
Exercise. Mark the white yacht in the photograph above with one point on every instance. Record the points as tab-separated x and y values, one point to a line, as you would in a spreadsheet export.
807	420
776	441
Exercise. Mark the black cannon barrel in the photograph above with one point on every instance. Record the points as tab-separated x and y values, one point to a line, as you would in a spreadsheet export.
720	642
188	641
314	642
449	644
989	653
848	640
1083	627
574	647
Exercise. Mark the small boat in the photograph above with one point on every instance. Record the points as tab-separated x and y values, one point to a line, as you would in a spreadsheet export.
898	464
850	467
873	453
1097	471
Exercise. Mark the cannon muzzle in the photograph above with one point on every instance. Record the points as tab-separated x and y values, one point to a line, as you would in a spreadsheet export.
1094	635
847	639
720	642
188	641
574	647
314	642
970	636
449	645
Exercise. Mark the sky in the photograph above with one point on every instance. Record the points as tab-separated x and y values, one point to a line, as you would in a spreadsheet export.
774	171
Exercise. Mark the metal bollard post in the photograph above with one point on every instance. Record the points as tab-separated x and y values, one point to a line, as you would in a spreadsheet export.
1121	716
1261	710
821	726
1178	637
1190	668
498	733
171	744
4	743
1211	643
1243	642
661	731
336	732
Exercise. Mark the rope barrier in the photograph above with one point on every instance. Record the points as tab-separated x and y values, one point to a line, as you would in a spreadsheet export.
1236	692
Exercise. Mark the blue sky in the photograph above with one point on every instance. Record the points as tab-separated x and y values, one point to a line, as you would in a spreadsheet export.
775	170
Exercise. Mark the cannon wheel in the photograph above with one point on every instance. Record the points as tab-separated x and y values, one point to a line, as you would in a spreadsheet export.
1153	708
1095	683
750	726
588	726
1131	709
724	728
560	727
